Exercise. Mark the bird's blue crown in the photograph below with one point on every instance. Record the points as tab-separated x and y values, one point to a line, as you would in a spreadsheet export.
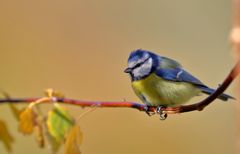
140	53
141	63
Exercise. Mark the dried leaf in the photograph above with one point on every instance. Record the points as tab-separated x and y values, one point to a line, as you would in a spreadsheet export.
5	136
59	122
53	93
73	141
39	135
16	112
27	121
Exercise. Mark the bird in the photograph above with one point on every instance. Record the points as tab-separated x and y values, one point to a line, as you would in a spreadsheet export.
163	82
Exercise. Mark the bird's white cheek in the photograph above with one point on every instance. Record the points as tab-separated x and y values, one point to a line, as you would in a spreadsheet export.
144	69
137	72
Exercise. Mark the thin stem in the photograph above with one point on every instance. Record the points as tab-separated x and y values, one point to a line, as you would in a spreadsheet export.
141	107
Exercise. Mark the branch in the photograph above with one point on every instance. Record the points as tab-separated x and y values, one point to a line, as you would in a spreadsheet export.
141	107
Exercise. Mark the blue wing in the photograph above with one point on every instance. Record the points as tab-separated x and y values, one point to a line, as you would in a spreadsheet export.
180	75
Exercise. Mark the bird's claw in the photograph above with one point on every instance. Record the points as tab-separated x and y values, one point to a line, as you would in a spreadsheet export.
163	116
149	113
158	110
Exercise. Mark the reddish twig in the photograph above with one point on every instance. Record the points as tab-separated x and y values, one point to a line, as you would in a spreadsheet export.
168	110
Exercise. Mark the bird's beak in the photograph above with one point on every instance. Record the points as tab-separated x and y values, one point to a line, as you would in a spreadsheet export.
128	70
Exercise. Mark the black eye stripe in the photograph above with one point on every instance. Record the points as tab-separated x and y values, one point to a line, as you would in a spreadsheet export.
139	64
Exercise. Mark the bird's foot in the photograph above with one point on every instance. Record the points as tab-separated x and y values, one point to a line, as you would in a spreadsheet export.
148	111
159	111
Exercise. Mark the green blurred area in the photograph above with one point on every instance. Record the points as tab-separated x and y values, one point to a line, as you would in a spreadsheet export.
81	47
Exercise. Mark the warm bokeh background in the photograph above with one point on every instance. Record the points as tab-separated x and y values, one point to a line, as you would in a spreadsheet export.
80	47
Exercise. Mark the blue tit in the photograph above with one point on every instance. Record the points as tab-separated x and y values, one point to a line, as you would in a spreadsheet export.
161	81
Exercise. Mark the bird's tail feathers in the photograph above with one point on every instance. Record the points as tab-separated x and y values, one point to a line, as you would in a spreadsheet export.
209	91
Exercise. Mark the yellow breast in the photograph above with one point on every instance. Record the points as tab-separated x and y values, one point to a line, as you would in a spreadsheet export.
153	90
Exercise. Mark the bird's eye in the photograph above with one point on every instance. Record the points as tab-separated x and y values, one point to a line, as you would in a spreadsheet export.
139	64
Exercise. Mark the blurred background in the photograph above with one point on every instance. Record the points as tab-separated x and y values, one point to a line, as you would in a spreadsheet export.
80	47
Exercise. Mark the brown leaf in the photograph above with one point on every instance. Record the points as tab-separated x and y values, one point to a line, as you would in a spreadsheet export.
16	112
39	135
73	141
27	121
5	136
